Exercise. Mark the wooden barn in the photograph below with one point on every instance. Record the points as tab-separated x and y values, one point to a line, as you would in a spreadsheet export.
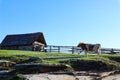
30	41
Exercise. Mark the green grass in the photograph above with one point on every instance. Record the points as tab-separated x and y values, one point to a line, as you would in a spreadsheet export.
8	53
18	55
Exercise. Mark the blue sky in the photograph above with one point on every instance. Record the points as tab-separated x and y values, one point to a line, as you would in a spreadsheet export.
63	22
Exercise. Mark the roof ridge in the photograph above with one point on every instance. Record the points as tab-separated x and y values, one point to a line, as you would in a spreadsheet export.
24	34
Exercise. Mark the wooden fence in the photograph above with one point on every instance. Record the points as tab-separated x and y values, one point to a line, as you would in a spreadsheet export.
110	50
65	49
75	49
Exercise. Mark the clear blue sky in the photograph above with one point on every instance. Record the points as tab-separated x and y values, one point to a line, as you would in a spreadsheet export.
63	22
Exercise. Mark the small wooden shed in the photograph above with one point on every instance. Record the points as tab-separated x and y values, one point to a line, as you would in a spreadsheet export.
30	41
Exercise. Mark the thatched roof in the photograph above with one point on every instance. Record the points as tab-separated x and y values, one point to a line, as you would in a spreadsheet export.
23	39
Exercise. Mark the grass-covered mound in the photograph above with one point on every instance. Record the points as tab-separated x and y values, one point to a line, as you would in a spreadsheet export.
77	61
114	57
19	56
92	64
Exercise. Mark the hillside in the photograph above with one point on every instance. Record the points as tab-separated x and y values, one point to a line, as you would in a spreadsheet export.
18	56
11	59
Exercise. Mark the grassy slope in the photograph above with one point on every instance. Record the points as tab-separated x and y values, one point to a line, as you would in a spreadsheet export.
107	61
12	54
9	53
17	56
31	53
26	54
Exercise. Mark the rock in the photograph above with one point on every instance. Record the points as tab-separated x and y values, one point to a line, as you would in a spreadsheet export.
4	72
45	76
11	75
39	68
34	59
4	64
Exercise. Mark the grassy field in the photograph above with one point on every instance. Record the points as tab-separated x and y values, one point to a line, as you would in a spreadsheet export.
8	53
18	55
77	61
31	53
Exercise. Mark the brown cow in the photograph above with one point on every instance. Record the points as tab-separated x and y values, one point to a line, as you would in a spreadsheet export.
95	48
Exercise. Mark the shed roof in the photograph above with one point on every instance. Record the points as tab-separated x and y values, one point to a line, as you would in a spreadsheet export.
23	39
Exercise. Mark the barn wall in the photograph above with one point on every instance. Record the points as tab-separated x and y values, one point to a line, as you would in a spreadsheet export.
17	47
25	48
9	48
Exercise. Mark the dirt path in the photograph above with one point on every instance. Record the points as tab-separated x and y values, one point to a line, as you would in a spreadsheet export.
47	76
112	77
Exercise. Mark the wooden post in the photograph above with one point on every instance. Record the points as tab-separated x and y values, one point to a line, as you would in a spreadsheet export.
58	49
72	50
50	48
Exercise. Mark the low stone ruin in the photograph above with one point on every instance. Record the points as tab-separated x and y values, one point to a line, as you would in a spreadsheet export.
9	70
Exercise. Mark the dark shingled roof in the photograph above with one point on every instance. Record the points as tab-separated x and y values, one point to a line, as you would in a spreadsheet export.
23	39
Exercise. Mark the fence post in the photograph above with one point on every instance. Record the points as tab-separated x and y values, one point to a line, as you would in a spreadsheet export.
50	48
58	49
72	50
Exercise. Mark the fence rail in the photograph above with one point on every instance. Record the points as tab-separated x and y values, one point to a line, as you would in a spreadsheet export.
75	49
68	49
